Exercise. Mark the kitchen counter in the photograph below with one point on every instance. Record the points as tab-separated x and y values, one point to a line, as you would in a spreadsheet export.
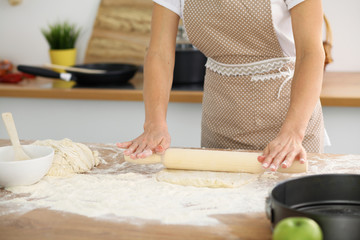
339	89
43	88
44	223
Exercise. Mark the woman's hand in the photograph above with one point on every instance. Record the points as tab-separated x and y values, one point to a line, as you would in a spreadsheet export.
283	151
158	75
155	139
307	19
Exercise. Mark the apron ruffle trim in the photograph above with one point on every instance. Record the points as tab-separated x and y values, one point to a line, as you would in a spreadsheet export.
247	69
255	69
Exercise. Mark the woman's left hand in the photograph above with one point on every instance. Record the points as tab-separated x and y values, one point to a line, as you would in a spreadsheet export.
282	152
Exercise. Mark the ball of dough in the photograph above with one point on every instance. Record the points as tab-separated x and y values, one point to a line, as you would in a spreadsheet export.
70	157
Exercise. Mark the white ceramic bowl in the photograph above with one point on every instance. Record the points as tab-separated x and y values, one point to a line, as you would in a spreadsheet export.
26	172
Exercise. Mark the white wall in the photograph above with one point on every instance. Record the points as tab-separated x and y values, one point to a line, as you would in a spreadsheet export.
22	42
344	18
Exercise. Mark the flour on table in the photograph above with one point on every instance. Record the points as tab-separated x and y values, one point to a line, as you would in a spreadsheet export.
135	197
269	175
205	178
70	157
122	191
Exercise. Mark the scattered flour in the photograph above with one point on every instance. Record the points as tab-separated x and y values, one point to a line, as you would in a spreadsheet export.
128	192
205	178
126	196
270	175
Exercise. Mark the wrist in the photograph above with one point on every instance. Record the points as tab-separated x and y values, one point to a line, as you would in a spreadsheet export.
158	124
294	131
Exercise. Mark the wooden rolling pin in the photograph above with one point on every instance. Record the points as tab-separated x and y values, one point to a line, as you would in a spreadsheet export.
213	160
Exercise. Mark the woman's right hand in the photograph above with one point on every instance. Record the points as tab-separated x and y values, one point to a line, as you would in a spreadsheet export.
158	74
154	139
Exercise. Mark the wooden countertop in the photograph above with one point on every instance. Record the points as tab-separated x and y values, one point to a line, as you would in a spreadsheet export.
42	223
339	89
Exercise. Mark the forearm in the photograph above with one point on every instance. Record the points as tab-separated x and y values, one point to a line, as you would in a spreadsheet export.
305	89
159	65
305	92
158	72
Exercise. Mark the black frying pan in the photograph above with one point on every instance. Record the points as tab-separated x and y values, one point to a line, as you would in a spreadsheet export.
116	73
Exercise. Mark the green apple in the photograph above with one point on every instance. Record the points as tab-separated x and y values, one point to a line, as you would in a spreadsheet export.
297	228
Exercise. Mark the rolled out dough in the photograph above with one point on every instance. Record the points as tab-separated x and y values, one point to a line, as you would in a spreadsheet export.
205	178
70	157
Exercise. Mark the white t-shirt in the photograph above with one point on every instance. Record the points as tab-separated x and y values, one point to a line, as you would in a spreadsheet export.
280	16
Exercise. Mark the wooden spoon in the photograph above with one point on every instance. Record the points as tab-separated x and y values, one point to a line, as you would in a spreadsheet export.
75	69
11	129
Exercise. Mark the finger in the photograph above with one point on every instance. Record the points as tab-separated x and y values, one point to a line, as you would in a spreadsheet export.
277	160
302	156
124	144
266	151
262	157
164	144
289	159
159	149
270	156
146	153
268	160
139	150
273	150
142	147
131	149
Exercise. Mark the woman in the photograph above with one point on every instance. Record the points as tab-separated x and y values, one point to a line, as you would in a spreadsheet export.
257	95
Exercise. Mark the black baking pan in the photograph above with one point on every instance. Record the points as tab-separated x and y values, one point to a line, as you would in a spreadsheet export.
115	73
332	200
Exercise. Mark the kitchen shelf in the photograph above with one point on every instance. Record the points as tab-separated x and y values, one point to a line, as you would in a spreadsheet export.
339	89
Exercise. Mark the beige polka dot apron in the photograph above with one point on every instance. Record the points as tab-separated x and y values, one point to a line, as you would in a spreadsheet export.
248	78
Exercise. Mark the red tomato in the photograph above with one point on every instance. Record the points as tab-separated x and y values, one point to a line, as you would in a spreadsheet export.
11	78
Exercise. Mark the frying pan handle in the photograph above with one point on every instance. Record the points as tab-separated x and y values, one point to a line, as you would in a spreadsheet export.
45	72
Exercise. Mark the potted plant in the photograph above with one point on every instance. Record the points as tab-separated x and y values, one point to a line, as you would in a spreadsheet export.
62	37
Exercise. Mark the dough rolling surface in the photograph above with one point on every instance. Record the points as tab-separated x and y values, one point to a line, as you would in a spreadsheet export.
205	178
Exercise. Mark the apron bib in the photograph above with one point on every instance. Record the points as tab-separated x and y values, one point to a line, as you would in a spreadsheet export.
248	79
